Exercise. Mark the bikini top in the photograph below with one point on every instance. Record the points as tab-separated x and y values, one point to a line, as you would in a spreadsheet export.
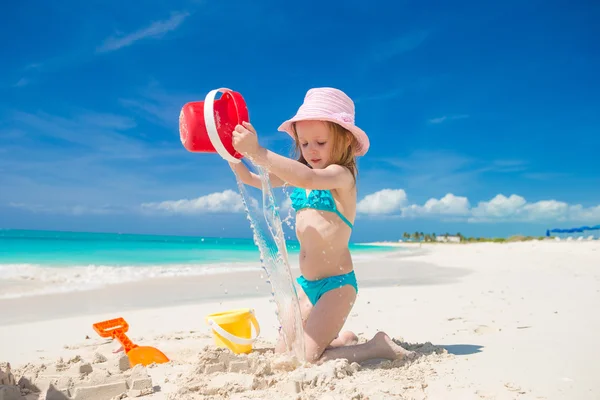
316	199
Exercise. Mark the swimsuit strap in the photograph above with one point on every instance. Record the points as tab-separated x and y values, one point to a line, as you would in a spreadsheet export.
317	199
344	218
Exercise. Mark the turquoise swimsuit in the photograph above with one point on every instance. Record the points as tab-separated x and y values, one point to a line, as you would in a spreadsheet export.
321	200
317	199
317	288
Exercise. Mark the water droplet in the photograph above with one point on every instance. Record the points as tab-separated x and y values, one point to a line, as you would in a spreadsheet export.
270	241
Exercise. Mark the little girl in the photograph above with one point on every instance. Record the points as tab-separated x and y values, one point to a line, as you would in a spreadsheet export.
324	176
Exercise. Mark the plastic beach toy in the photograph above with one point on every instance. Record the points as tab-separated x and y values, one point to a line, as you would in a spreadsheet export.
145	355
207	126
233	330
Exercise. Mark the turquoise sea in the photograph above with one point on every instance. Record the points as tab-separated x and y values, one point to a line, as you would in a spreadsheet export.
54	261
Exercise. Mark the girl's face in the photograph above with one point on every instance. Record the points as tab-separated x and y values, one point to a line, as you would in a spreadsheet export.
315	140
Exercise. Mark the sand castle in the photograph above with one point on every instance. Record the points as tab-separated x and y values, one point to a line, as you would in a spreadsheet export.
217	373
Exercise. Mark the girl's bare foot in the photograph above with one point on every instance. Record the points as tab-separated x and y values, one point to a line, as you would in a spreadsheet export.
347	338
386	348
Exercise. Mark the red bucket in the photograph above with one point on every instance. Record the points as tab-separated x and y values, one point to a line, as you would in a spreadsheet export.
207	126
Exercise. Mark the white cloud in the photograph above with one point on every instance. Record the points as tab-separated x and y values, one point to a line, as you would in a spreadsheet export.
516	208
547	209
581	213
439	120
154	30
382	202
499	209
447	205
227	201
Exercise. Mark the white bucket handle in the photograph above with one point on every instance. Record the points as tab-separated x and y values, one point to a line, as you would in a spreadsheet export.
211	125
233	338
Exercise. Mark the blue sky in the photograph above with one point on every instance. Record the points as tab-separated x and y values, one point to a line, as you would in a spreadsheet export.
483	116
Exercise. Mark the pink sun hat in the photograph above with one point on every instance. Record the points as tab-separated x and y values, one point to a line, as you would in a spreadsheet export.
329	104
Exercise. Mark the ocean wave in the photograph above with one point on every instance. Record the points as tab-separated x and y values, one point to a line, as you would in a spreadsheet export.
22	280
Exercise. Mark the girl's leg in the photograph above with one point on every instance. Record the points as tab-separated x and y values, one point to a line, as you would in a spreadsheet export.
305	309
325	321
380	346
345	338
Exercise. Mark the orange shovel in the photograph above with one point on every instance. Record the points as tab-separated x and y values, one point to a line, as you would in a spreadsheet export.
116	328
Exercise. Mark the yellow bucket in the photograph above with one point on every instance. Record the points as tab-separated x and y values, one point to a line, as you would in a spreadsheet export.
233	329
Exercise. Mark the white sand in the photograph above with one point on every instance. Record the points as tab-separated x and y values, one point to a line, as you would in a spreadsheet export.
506	321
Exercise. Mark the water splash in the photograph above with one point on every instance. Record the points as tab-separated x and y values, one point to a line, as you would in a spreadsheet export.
274	260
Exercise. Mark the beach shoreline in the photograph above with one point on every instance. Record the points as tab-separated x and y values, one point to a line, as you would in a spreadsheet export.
488	321
214	287
19	279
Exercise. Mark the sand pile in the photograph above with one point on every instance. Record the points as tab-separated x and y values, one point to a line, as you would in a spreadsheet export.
79	379
219	374
8	385
198	370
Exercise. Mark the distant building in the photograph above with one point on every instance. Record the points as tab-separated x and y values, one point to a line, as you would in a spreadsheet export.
448	239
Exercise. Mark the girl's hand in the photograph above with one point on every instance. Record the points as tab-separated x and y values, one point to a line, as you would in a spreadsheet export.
245	140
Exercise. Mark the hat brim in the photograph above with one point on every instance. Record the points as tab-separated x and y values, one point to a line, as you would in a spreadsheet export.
359	134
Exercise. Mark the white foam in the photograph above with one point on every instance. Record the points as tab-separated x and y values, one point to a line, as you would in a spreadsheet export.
21	280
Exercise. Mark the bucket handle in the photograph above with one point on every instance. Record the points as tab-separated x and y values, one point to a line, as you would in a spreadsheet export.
211	125
233	338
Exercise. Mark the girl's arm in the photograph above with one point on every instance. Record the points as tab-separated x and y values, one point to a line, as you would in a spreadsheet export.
299	175
252	179
291	171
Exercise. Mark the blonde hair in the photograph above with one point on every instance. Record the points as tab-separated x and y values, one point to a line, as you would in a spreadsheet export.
343	149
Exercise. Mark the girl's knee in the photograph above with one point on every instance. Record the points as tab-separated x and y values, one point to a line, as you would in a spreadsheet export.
312	357
348	338
312	354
